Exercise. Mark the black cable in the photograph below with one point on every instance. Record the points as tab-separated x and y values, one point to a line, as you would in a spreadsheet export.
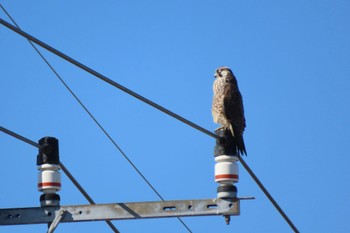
104	78
98	124
268	195
85	194
64	169
113	83
26	140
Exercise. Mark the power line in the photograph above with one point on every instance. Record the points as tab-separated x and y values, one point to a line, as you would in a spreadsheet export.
113	83
64	169
85	194
268	195
104	78
97	123
26	140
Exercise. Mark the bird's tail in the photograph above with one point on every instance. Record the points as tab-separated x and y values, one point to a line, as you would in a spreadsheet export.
240	146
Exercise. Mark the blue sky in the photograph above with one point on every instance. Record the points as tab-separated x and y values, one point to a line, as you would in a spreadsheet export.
291	60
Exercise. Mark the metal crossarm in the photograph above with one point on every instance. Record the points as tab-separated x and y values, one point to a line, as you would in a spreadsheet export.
120	211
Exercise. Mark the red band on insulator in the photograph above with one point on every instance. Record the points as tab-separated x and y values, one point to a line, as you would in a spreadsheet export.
47	184
226	176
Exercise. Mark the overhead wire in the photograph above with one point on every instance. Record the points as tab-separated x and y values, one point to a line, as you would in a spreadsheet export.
97	123
63	167
24	139
151	103
104	78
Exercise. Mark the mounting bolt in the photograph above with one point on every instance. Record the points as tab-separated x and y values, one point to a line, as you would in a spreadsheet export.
227	219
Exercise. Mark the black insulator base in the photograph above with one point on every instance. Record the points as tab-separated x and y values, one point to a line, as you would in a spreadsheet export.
227	192
50	199
226	145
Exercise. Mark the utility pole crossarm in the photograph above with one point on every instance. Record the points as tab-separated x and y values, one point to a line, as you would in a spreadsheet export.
120	211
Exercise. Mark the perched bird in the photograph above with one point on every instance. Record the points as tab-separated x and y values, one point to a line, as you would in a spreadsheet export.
227	106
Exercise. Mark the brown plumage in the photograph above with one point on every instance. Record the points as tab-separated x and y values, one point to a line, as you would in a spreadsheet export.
227	107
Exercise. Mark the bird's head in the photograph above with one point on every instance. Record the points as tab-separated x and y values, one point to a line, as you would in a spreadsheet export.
223	71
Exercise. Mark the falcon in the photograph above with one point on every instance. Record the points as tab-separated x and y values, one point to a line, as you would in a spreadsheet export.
227	106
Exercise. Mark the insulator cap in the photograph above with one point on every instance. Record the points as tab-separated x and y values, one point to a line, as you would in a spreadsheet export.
226	145
49	153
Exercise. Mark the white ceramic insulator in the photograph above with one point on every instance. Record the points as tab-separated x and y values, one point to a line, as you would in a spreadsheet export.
226	169
49	178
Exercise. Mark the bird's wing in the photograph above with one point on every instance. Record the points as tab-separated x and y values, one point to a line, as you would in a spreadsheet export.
234	112
233	106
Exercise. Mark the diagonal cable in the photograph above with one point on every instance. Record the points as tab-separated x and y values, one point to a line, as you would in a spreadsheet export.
164	110
95	120
104	78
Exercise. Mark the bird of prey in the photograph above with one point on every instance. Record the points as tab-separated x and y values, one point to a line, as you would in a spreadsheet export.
227	106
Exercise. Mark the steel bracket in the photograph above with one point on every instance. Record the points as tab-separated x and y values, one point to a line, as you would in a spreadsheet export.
119	211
